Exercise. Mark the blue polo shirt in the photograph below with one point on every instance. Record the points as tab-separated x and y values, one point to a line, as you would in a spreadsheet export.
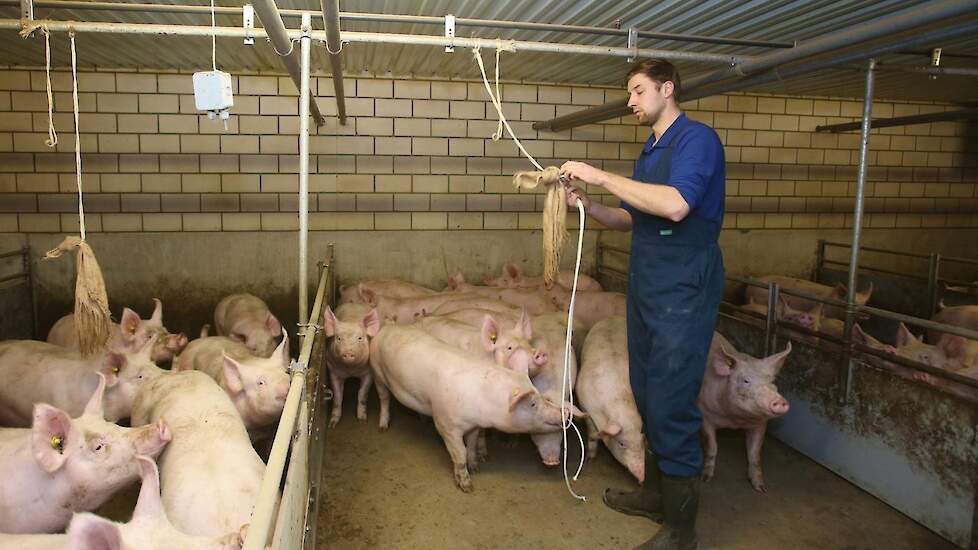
698	167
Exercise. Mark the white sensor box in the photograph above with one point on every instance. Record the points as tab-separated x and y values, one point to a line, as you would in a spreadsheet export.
212	91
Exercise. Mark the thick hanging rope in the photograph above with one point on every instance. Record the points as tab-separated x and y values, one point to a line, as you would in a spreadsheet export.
555	205
555	232
92	319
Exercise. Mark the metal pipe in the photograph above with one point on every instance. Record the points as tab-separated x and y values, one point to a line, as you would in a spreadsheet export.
881	250
618	108
304	47
413	19
331	21
932	286
770	325
21	275
887	25
373	37
262	518
275	29
939	71
963	114
876	269
18	252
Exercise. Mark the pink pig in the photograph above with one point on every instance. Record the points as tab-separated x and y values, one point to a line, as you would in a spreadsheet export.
245	318
75	464
739	393
149	528
36	372
128	335
512	278
350	330
460	391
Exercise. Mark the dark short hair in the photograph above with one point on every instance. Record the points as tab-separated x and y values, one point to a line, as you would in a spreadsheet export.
659	70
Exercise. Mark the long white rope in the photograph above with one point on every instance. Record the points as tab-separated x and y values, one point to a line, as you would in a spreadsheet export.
78	161
568	422
213	37
52	139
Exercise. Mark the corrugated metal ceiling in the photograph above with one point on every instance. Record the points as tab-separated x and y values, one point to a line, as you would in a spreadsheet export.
774	20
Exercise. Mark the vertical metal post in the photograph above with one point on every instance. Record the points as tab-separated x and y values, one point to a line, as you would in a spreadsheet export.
771	324
819	260
305	43
845	373
933	274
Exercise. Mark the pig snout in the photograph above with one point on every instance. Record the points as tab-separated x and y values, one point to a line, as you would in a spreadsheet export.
177	342
637	469
778	406
150	440
540	357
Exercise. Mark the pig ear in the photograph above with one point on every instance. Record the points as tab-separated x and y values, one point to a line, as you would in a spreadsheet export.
940	305
524	325
776	361
817	310
840	291
367	295
129	324
282	350
954	347
52	436
112	365
517	396
157	317
272	323
329	322
94	406
90	532
148	505
232	375
783	307
489	333
724	361
904	337
371	322
512	270
863	297
858	335
611	430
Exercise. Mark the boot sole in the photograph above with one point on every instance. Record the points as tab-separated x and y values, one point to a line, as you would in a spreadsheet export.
656	517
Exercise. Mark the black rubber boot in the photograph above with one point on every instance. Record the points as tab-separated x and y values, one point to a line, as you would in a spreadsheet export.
680	503
645	501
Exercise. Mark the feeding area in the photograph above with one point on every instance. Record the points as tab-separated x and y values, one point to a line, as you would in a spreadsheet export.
482	275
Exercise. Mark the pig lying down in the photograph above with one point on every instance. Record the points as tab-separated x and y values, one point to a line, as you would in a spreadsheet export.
62	465
130	335
246	319
739	393
462	393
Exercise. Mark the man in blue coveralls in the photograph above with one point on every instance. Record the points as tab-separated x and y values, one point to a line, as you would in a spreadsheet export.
673	204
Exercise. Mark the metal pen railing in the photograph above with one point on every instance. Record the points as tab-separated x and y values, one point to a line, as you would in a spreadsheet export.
292	444
26	274
773	327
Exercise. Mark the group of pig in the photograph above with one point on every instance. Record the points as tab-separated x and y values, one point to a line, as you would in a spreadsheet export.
476	358
189	431
940	350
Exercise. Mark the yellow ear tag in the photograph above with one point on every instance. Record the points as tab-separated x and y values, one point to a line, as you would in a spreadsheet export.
492	338
57	443
115	370
132	330
516	392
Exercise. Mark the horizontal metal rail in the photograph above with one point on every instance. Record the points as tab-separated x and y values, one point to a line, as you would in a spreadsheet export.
877	270
262	519
371	38
963	114
614	248
953	259
12	253
882	250
22	275
413	19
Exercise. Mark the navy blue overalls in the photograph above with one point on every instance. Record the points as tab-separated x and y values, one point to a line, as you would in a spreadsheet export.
675	286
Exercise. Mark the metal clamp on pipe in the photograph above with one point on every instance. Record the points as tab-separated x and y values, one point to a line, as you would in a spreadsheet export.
450	31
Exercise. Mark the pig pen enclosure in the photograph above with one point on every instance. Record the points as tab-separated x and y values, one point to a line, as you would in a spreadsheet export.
372	145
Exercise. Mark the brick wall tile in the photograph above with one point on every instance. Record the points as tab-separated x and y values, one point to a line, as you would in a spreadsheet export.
431	108
375	88
448	90
412	89
392	107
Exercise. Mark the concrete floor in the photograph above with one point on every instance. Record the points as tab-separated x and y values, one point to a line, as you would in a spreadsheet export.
395	490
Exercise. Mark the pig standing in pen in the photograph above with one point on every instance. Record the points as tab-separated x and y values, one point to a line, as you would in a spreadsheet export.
245	318
738	392
350	330
460	391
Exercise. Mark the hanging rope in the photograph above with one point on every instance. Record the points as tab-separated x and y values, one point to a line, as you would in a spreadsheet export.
25	31
554	235
92	319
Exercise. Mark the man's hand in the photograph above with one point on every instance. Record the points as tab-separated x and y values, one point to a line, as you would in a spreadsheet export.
574	193
575	170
